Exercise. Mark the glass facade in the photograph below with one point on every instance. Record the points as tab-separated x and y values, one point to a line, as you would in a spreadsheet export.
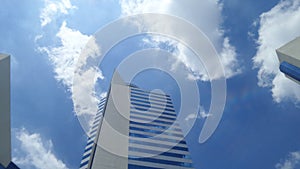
154	138
92	137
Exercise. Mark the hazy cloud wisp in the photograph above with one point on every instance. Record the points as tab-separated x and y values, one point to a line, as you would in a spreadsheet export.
291	162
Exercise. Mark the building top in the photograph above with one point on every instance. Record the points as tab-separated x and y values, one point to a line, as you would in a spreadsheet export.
289	57
117	79
3	56
290	52
5	133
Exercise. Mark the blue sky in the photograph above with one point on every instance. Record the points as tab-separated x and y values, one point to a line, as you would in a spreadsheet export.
260	124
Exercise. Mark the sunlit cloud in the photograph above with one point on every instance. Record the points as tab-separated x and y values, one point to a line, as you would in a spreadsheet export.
66	62
73	56
35	152
206	15
54	8
277	27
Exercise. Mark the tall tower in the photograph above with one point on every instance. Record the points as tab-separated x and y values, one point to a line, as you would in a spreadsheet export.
5	132
135	129
5	145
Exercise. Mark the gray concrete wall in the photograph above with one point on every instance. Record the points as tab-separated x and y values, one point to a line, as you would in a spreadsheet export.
113	139
290	52
5	137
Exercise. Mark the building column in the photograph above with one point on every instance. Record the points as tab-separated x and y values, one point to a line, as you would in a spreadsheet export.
5	132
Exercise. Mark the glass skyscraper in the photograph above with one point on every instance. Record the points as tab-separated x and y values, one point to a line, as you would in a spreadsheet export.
135	129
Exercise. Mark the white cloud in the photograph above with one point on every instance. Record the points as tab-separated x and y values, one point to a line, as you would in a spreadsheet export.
277	27
201	115
229	60
53	8
206	15
84	97
34	152
65	57
131	7
291	162
73	57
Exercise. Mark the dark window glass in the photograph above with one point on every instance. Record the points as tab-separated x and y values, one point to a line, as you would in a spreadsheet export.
86	156
133	166
154	138
147	98
157	121
155	131
83	164
89	143
11	165
157	145
88	149
152	115
98	116
92	137
96	121
154	125
94	131
176	163
172	110
160	112
147	102
142	91
157	152
152	96
95	126
147	106
142	107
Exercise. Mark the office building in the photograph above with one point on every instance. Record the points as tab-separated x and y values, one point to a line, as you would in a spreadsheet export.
135	129
289	57
5	131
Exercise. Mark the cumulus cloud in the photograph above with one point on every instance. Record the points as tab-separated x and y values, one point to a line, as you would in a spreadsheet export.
206	15
53	9
72	57
131	7
79	73
35	152
291	162
65	57
277	27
